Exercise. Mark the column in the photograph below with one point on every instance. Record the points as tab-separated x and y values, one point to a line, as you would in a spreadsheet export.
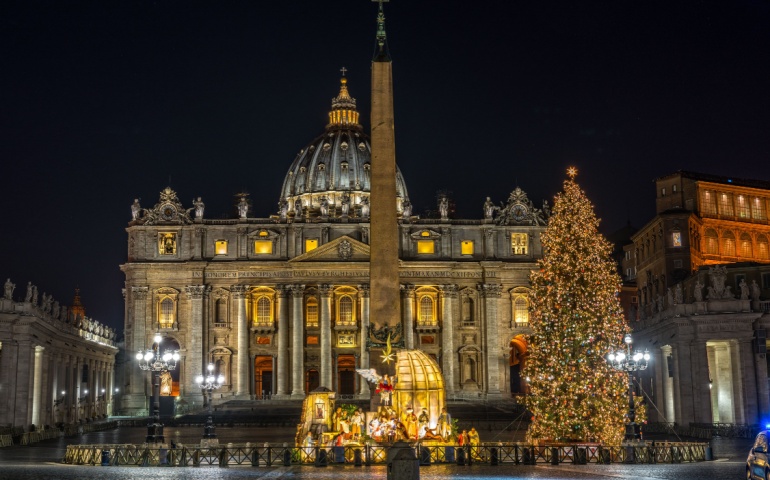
448	297
242	362
759	365
134	398
363	298
297	344
326	335
282	368
491	293
407	294
194	358
745	390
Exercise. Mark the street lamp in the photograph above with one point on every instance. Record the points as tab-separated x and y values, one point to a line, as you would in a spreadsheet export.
59	400
209	383
151	361
630	362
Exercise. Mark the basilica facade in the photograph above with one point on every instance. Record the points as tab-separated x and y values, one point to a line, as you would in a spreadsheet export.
280	303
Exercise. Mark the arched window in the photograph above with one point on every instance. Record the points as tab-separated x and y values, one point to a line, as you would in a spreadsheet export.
311	313
221	312
728	244
745	246
763	250
468	310
521	311
345	311
166	313
264	311
426	316
711	242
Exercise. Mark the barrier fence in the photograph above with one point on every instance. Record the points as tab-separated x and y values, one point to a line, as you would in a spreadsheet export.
490	454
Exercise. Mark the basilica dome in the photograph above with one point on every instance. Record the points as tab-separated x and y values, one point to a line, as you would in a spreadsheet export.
334	169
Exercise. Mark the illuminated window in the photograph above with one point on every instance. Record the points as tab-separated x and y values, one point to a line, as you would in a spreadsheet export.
264	312
426	247
520	300
663	192
311	244
311	313
742	204
763	250
263	233
220	247
673	188
758	209
709	205
728	244
726	205
167	243
166	313
745	245
425	233
426	315
676	239
263	247
345	311
712	242
466	247
519	243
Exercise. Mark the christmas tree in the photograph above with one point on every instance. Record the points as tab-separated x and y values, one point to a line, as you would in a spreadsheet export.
576	318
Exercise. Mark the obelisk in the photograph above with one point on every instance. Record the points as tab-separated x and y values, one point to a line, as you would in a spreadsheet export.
385	306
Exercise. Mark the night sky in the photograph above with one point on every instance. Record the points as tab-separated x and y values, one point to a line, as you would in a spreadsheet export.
103	102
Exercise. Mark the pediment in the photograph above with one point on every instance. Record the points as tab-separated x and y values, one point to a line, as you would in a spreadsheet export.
343	249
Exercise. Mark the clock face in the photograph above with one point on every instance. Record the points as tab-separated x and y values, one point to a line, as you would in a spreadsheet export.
167	212
519	212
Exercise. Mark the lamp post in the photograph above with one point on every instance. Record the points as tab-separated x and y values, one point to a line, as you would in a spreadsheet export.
630	362
151	361
208	384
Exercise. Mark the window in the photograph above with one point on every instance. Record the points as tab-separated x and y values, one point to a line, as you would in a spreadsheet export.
426	315
220	247
221	312
311	313
468	312
427	339
742	205
166	313
709	206
345	311
263	340
663	192
673	188
763	251
676	239
520	301
263	247
311	244
519	243
726	205
712	242
426	247
264	312
728	244
745	246
312	339
167	243
758	209
466	247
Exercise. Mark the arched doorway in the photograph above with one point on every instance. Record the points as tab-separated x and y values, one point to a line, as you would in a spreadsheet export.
263	376
516	361
346	375
312	380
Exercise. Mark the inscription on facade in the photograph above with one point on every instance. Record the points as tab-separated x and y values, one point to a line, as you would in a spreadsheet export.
338	273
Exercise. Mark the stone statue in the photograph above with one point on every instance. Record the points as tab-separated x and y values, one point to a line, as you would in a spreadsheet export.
47	303
443	207
28	297
755	291
712	295
718	275
34	295
283	209
136	209
697	291
324	207
407	209
660	303
678	294
546	209
365	207
9	289
345	204
297	207
489	209
744	289
56	309
199	206
243	208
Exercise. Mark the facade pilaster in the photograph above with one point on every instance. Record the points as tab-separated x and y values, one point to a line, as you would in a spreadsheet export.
491	293
363	298
744	388
282	373
240	293
407	295
326	292
297	344
448	298
133	398
194	364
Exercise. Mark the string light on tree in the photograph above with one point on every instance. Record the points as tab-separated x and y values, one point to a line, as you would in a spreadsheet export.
577	321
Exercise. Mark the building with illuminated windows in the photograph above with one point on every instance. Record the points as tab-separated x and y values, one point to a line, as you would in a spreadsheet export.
280	303
702	272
